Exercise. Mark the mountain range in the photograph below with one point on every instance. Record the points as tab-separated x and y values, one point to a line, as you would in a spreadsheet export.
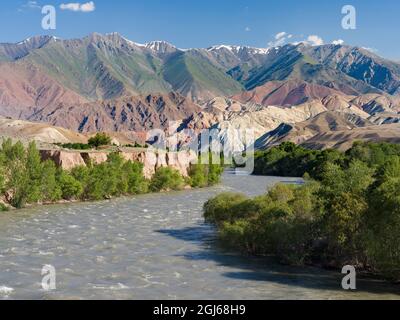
109	83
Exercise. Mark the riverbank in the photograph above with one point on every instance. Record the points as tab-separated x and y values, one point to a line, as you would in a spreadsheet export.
153	246
346	214
27	177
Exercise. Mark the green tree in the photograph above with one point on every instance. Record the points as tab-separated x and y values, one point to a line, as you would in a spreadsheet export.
50	188
17	184
70	187
34	173
100	139
221	208
198	176
137	184
167	179
2	174
214	174
383	220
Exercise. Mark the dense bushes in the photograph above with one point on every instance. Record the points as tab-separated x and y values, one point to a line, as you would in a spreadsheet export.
205	175
167	179
349	214
76	146
26	179
278	223
100	139
290	160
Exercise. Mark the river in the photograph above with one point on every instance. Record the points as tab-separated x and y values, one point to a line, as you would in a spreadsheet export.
152	247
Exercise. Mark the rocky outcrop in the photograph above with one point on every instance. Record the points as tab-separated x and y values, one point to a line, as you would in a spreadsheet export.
63	159
152	160
94	157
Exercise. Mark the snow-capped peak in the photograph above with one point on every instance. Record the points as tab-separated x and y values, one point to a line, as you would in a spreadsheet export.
160	46
239	49
117	35
27	40
37	39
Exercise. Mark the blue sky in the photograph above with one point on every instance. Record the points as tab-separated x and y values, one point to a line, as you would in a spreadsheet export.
202	23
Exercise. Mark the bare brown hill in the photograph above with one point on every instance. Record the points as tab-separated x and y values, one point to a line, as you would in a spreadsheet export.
285	93
42	133
343	140
136	113
24	87
302	132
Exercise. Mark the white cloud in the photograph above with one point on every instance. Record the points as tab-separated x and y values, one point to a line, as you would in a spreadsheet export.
247	29
338	42
30	5
373	50
283	38
280	35
88	7
315	40
82	7
280	39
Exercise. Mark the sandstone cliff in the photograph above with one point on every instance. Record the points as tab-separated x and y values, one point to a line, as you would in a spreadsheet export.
152	160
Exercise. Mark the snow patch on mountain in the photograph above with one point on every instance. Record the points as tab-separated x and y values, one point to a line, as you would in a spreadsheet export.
239	49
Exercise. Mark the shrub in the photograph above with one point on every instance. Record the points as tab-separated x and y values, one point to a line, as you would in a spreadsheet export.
3	207
214	174
220	208
382	221
276	223
167	179
17	176
100	139
2	176
50	188
26	179
70	187
198	176
76	146
137	184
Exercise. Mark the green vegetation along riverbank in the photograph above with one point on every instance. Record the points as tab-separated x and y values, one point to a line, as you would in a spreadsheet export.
347	212
26	179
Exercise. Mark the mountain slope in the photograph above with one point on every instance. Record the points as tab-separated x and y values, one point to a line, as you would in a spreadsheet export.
14	51
100	67
193	76
24	88
285	93
360	64
109	83
302	132
109	66
135	113
294	63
